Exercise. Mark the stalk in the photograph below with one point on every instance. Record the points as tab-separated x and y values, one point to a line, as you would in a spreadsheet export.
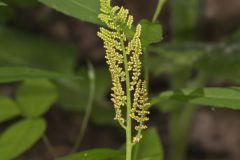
129	121
117	50
158	9
146	53
91	75
49	147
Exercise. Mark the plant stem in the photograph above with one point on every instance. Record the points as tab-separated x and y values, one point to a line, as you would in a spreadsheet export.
146	54
129	121
135	152
91	75
158	9
49	146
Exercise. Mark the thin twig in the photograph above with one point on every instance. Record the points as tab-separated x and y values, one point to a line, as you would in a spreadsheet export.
49	146
91	75
158	10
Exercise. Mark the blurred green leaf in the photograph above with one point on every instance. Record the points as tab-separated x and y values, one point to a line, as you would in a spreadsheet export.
35	97
234	37
6	14
215	61
20	137
84	10
171	57
221	64
13	74
150	147
18	48
8	108
215	97
20	3
2	4
95	154
151	32
185	15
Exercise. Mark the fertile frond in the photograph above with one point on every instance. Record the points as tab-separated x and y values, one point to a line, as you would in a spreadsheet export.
123	58
134	49
139	109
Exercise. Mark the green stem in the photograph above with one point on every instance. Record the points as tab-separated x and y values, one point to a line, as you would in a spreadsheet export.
129	121
158	10
179	128
146	54
49	146
135	153
91	75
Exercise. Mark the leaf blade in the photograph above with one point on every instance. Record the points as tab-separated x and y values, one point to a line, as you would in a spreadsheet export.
16	140
95	154
215	97
35	97
149	147
8	109
3	4
13	74
151	32
84	10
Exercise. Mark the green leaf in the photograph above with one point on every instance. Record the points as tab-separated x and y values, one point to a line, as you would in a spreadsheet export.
215	97
151	32
84	10
6	14
169	58
215	61
35	97
8	109
95	154
150	147
185	15
221	64
35	51
21	3
3	4
13	74
20	137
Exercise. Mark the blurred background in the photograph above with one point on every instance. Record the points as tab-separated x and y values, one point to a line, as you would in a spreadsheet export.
200	47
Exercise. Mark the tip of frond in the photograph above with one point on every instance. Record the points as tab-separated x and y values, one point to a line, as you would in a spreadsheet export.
105	6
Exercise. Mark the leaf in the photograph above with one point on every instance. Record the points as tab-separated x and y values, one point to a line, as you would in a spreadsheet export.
150	147
215	97
185	15
20	137
171	57
221	64
2	4
13	74
21	3
95	154
84	10
8	109
215	61
34	51
35	97
6	14
151	32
